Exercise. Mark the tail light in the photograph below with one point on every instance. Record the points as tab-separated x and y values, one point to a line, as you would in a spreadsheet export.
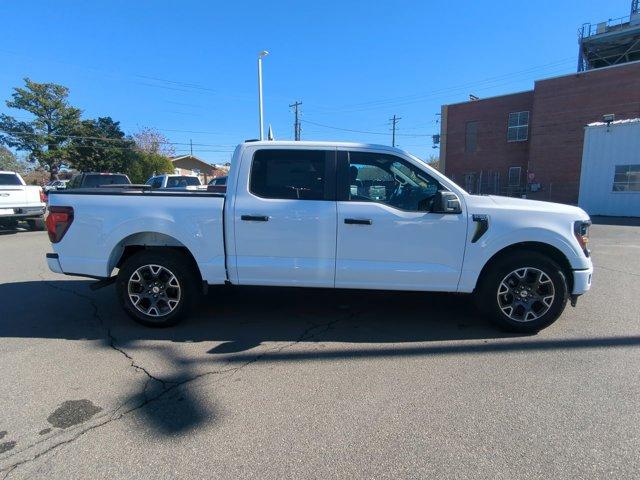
581	231
58	222
43	197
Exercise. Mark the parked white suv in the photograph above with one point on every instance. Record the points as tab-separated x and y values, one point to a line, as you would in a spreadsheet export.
19	201
325	215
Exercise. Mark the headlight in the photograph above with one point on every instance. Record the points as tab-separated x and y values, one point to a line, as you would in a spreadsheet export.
581	231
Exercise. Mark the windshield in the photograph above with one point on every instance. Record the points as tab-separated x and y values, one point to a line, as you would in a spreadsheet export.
100	180
183	181
9	179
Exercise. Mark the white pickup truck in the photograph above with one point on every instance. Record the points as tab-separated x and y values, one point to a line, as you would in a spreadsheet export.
328	215
19	201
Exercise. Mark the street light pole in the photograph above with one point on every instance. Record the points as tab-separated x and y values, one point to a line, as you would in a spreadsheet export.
263	53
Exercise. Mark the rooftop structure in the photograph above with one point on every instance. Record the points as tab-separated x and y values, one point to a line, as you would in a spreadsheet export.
610	42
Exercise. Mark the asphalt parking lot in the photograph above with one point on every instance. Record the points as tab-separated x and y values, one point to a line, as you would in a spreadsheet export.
282	383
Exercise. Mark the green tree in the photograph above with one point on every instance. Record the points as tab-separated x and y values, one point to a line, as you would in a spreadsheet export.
145	165
8	161
101	146
46	138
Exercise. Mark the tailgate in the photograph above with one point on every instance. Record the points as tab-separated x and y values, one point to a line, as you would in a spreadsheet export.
13	196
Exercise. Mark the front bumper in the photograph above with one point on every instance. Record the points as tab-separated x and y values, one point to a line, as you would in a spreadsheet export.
54	263
582	281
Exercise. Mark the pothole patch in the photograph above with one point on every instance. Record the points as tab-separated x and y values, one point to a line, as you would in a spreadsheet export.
6	446
73	412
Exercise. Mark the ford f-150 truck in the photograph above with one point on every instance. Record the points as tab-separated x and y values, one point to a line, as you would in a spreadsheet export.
327	215
19	201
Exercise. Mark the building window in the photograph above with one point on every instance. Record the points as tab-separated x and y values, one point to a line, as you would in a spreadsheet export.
626	178
514	176
471	137
518	130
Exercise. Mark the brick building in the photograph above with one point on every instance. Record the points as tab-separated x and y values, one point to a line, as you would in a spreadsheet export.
531	142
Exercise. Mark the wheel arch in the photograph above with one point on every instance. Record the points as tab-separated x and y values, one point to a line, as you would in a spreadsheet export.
136	242
539	247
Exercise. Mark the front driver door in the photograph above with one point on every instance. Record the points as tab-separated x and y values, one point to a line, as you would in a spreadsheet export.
387	238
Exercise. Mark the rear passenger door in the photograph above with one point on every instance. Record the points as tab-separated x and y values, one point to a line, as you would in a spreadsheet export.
285	218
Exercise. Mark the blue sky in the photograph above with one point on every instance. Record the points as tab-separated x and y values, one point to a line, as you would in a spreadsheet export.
188	68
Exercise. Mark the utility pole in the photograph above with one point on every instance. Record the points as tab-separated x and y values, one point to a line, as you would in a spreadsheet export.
394	122
262	54
296	123
191	146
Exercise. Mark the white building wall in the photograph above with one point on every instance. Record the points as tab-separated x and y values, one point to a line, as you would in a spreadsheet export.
604	148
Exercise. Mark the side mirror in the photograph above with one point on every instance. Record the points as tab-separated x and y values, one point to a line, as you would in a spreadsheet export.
446	202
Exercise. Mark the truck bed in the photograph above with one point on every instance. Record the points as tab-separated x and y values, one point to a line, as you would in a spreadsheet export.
114	217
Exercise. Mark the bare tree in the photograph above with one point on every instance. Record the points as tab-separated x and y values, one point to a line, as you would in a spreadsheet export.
150	140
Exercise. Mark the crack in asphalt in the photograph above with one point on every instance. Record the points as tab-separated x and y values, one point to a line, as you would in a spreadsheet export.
167	386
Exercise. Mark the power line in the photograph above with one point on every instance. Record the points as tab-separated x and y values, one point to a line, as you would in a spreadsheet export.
409	99
364	131
107	139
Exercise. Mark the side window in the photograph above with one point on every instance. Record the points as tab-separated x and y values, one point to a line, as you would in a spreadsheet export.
390	180
292	174
157	183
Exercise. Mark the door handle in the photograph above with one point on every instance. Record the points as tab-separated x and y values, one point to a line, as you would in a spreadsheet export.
254	218
357	221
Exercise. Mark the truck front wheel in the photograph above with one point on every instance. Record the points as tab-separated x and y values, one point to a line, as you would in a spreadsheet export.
157	288
524	292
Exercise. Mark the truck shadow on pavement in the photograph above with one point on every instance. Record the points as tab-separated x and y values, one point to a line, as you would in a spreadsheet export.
243	318
239	326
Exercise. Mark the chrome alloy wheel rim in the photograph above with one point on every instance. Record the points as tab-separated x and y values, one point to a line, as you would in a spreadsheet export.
526	294
154	290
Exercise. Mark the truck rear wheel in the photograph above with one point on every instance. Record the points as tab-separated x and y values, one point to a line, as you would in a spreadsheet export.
158	288
524	292
36	224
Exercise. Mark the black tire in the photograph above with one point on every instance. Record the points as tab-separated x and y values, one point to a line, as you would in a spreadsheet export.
11	223
506	304
36	224
167	312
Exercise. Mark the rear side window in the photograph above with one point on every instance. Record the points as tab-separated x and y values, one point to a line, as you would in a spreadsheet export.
9	179
293	174
99	180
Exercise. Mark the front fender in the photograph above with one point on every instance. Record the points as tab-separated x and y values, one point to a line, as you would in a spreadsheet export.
478	254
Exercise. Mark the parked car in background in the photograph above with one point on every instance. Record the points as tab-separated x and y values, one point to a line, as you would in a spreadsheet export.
19	201
56	185
218	184
292	217
92	180
174	181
